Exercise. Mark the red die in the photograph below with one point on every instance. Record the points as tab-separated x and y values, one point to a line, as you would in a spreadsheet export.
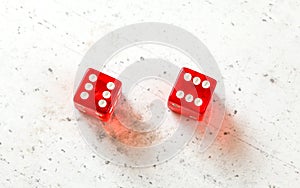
97	94
191	93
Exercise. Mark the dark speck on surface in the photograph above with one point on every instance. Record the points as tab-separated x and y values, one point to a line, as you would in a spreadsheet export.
240	89
272	80
142	58
107	162
23	93
264	20
50	70
235	111
68	119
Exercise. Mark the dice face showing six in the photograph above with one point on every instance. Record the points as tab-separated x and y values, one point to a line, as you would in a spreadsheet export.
191	93
97	94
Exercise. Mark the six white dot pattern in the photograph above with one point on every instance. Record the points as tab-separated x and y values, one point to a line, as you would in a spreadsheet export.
179	94
196	81
106	94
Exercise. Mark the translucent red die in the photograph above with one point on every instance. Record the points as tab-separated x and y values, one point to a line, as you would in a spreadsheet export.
191	93
97	94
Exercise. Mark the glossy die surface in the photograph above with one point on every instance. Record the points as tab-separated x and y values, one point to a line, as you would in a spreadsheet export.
191	93
97	94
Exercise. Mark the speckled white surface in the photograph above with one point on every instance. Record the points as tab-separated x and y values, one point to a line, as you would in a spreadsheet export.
256	44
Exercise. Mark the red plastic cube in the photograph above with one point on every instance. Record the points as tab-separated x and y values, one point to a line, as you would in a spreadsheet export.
191	93
97	94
